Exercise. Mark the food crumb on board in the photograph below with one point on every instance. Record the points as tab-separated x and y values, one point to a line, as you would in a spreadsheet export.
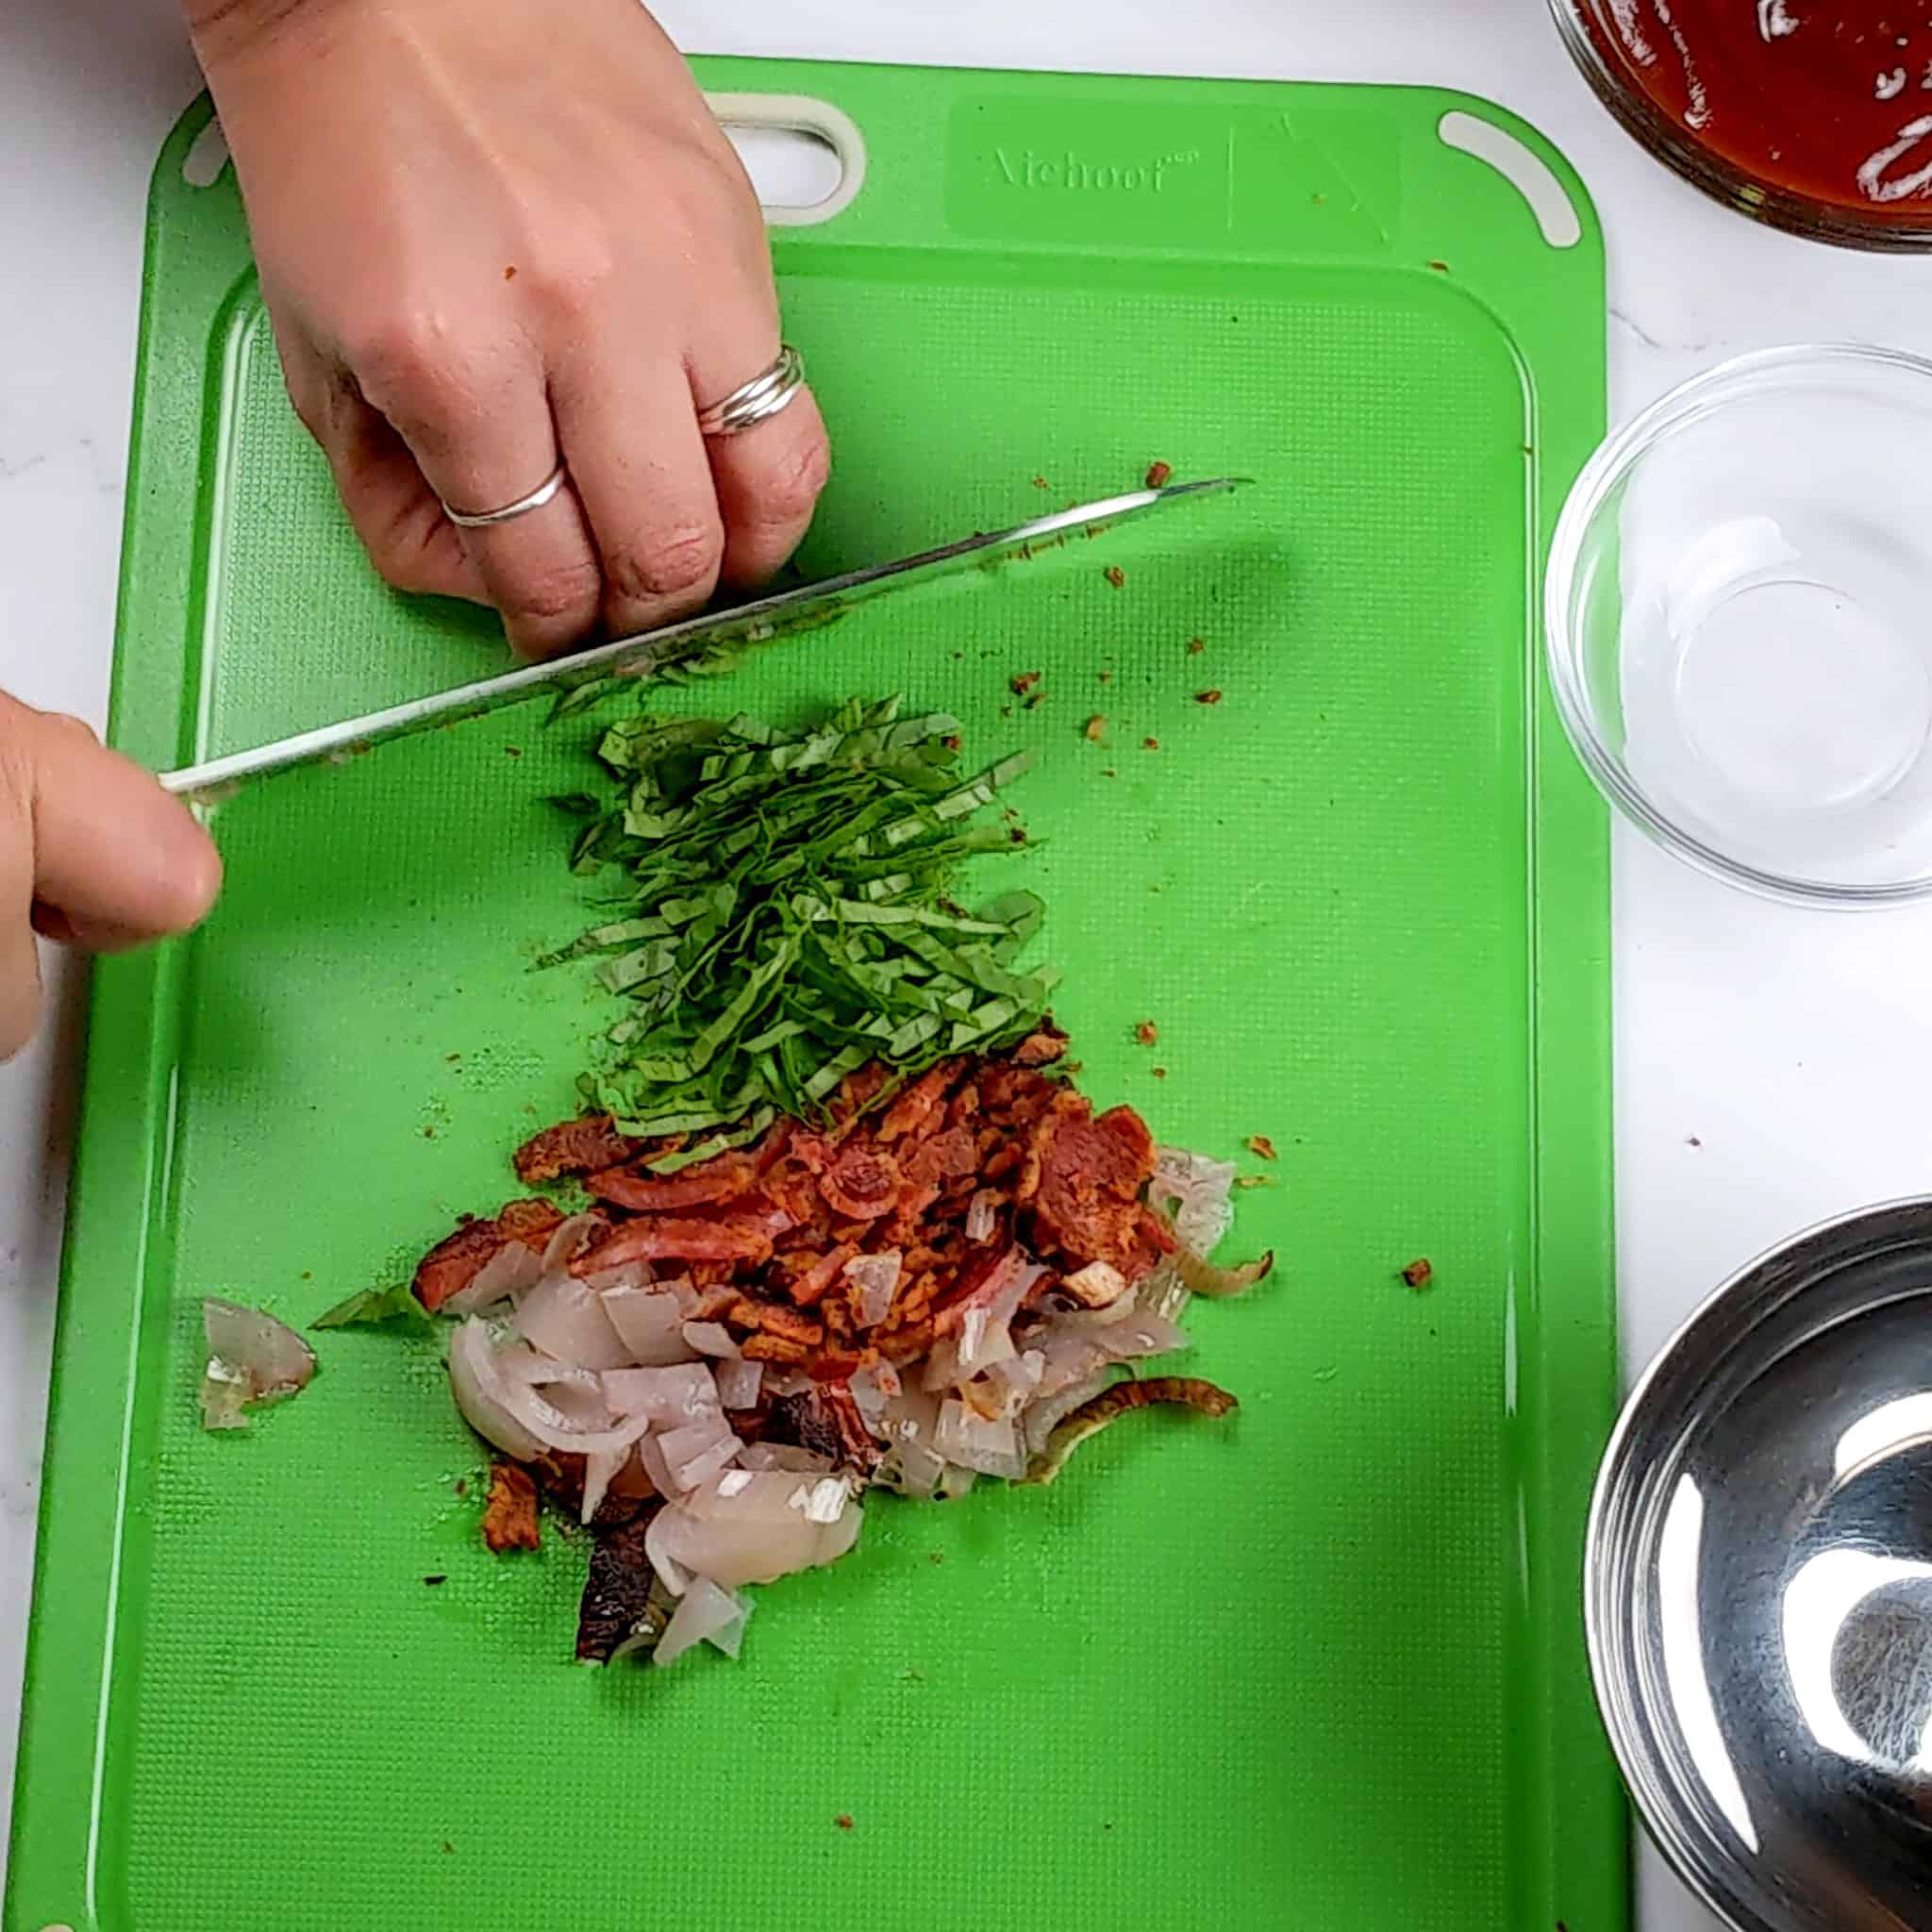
1109	772
1116	575
510	1517
1160	1072
513	751
1146	1032
462	1486
1096	725
447	1846
307	1275
1107	677
1041	483
844	1821
1419	1273
1032	699
1254	1180
1210	696
1024	681
1195	646
452	1058
430	1582
1261	1144
1441	268
936	1555
430	1133
1157	474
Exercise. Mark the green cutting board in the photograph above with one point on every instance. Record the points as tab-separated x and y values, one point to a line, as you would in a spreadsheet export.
1321	1668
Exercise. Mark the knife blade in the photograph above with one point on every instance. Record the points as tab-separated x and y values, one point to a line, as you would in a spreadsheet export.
675	645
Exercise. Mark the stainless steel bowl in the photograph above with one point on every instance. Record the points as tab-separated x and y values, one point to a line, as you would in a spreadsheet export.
1759	1593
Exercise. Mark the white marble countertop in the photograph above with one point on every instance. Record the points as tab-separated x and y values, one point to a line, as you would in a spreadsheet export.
1770	1064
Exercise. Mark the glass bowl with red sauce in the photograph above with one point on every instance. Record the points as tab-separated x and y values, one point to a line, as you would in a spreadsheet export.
1816	118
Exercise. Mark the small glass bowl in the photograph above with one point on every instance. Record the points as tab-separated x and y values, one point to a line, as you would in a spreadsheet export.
1587	28
1738	614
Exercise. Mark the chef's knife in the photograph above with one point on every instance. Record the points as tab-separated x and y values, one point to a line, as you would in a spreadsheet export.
681	643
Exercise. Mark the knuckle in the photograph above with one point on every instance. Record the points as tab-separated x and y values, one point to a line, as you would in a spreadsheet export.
797	480
558	595
407	359
574	264
672	561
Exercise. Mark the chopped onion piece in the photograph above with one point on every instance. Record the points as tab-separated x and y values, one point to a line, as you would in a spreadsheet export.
1142	1335
743	1527
697	1452
705	1614
566	1318
1006	1387
598	1471
671	1396
877	1279
1195	1194
556	1430
650	1323
223	1395
268	1359
480	1390
737	1382
955	1482
671	1572
1164	1294
509	1273
982	1215
1089	1319
1123	1398
788	1455
566	1241
984	1334
709	1338
973	1441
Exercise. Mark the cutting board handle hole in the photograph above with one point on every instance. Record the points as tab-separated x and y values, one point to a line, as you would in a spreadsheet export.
1522	167
805	158
202	165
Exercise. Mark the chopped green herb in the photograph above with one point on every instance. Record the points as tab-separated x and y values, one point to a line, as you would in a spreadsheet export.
786	916
373	1305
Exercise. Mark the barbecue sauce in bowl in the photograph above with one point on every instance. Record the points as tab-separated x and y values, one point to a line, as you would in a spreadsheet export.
1817	117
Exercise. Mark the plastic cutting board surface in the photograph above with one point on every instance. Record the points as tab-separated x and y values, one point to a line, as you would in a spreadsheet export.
1320	1667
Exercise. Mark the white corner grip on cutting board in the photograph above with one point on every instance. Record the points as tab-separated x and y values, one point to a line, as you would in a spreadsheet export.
816	120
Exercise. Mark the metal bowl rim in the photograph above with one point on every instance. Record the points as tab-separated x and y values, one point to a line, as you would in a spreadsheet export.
1657	1798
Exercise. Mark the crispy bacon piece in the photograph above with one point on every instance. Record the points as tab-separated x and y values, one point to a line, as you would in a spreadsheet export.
679	1238
510	1517
722	1178
457	1260
921	1104
573	1147
860	1184
1091	1174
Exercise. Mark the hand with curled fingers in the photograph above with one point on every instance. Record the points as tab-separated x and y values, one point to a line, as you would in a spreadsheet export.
93	853
511	260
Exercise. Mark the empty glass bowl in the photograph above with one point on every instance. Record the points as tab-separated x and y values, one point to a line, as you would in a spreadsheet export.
1739	619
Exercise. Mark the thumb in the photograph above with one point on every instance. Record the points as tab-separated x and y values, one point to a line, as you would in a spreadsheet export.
115	860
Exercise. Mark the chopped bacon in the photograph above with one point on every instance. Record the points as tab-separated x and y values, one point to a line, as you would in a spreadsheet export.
722	1178
573	1147
510	1517
1092	1175
457	1260
915	1109
764	1234
675	1237
1041	1049
812	1285
860	1184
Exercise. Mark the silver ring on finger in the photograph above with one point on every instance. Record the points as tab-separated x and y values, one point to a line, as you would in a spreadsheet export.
535	499
751	402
